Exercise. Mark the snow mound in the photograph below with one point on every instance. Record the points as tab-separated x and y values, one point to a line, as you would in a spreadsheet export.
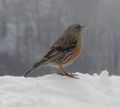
59	91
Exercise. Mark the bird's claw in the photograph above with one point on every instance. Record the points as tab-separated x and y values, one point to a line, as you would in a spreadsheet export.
72	75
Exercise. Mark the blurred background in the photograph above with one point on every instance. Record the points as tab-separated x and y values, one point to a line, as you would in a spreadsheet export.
29	27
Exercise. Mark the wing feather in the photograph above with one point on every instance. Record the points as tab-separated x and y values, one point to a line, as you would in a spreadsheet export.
63	45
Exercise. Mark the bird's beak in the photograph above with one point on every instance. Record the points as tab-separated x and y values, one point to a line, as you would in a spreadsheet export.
84	27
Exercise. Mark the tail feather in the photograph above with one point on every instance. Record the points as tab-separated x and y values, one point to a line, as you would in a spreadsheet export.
34	66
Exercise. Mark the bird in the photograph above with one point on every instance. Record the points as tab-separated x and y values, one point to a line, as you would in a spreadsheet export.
63	51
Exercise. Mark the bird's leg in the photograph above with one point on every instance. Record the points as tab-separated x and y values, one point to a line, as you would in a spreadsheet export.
65	73
61	71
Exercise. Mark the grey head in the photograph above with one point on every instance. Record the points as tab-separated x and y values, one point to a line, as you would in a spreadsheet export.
75	28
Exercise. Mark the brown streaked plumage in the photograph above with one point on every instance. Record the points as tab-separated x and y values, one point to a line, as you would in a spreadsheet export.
63	51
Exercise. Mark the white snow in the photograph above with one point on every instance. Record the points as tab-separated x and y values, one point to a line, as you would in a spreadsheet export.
58	91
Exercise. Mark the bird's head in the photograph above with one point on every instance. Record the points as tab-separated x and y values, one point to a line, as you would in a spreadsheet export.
76	28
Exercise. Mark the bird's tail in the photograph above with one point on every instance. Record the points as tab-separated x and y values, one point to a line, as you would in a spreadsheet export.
34	66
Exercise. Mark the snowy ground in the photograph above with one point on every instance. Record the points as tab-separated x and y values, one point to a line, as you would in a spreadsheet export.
58	91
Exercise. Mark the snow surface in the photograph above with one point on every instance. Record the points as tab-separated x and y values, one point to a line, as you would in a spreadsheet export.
58	91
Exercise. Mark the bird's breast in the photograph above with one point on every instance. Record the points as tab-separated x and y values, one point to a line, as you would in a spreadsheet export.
74	53
77	49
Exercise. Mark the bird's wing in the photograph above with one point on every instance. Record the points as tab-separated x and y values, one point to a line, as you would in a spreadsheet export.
63	45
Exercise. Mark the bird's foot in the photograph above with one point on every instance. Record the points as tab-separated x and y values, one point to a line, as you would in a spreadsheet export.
72	75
